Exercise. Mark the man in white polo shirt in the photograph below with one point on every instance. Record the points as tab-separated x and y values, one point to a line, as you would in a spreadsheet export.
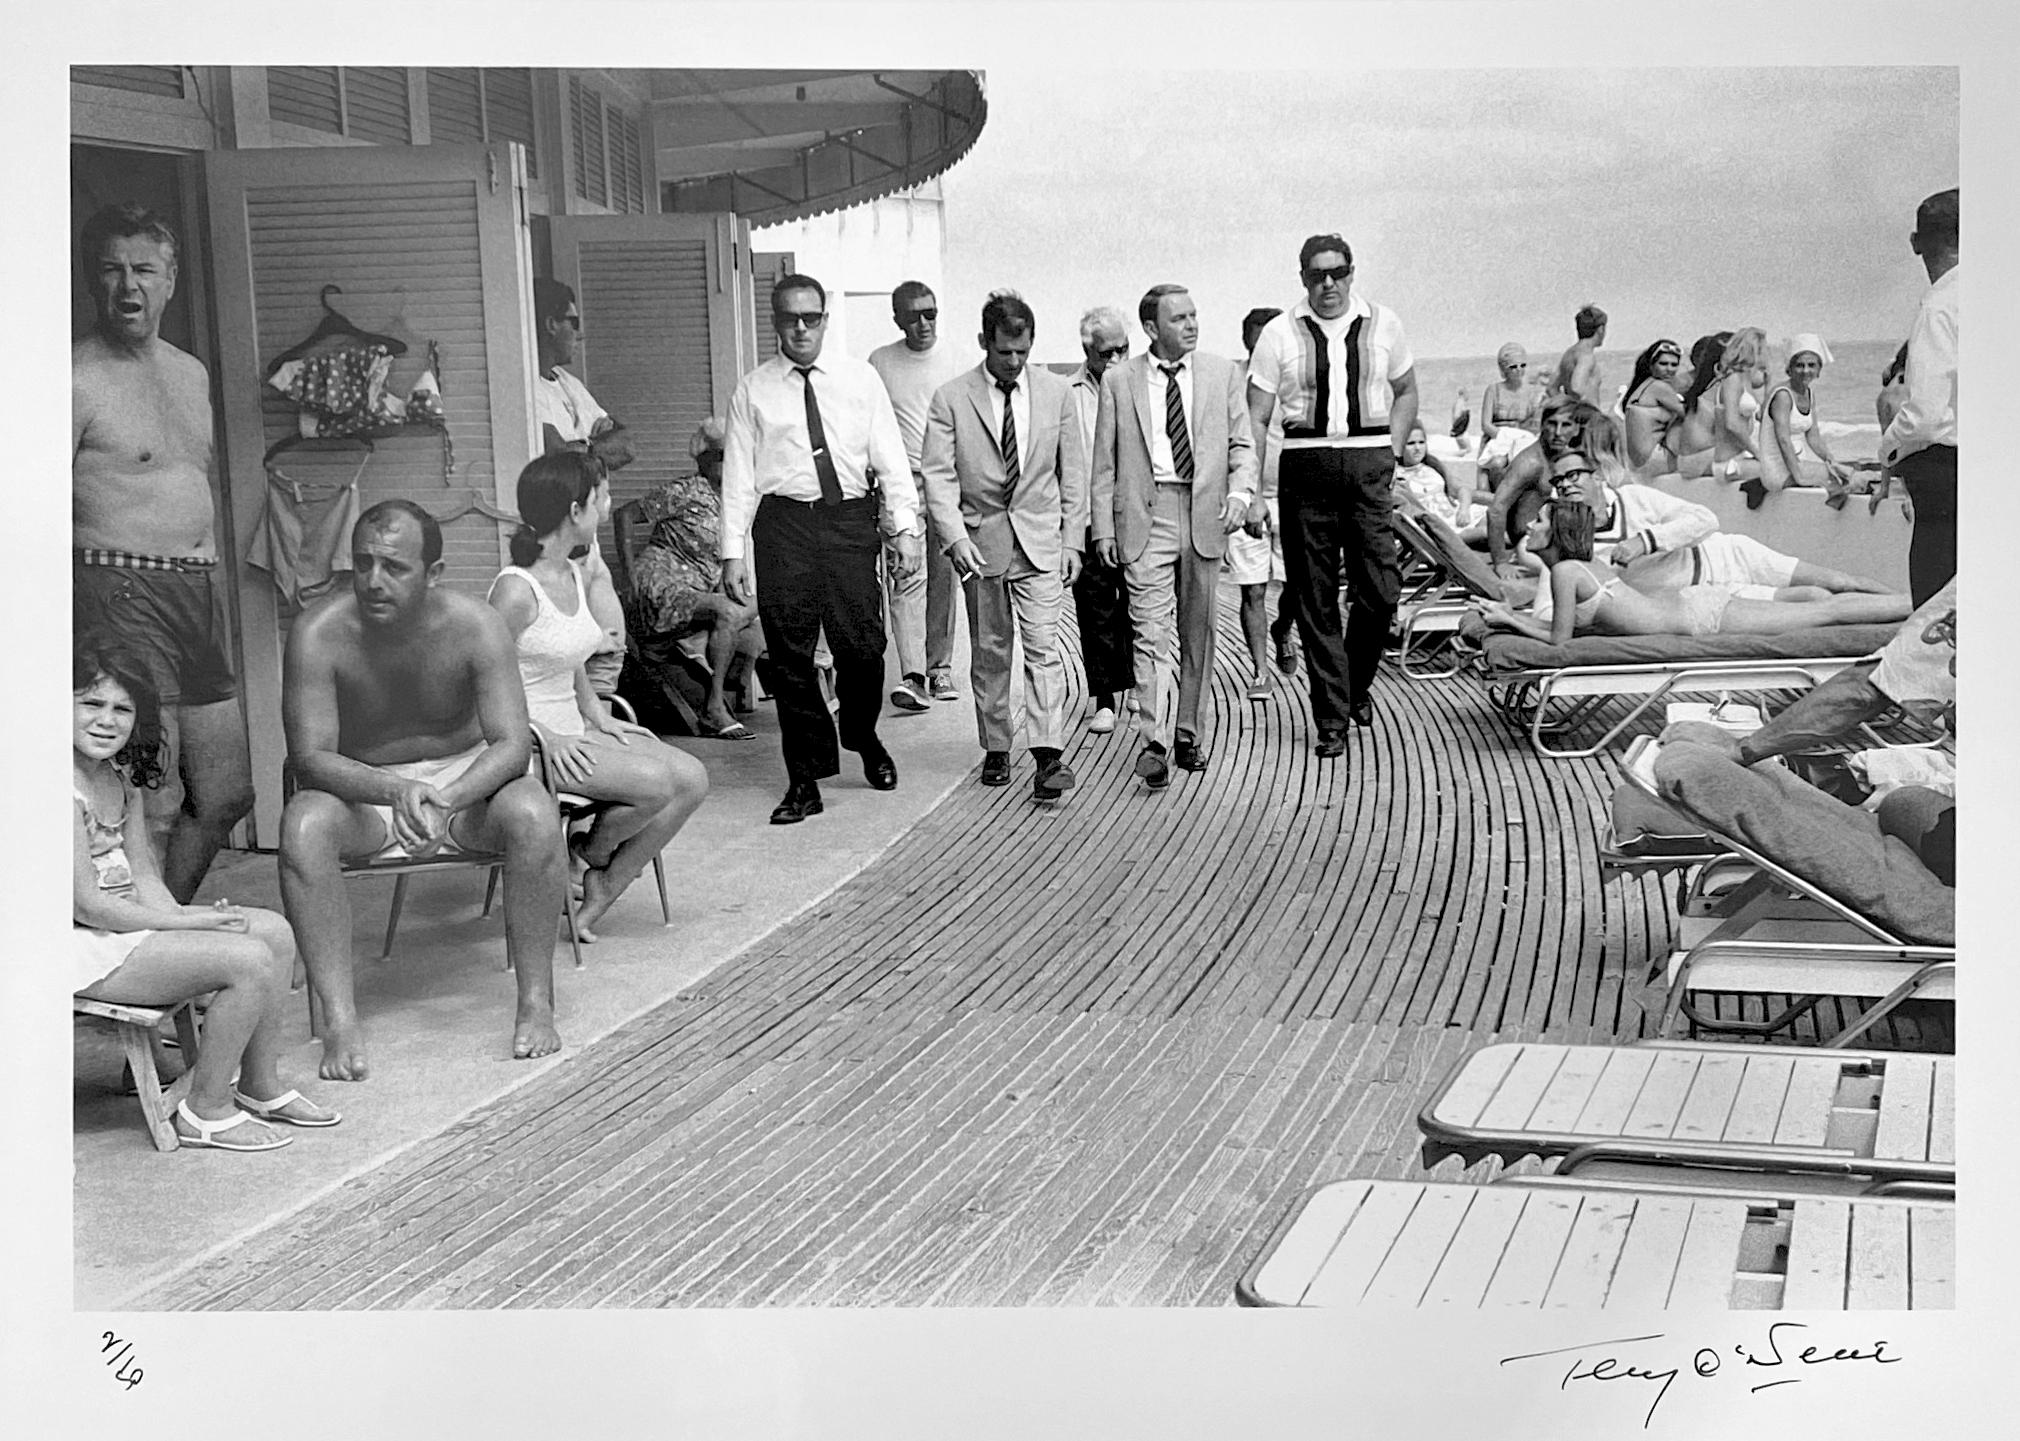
922	605
1340	368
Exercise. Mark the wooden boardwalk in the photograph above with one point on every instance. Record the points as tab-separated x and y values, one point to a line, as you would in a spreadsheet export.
1084	1055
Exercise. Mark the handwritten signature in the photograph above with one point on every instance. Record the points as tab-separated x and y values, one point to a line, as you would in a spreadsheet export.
129	1374
1705	1363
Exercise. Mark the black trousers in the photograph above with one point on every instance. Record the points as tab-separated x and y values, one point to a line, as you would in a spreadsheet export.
1107	643
1931	477
817	568
1336	505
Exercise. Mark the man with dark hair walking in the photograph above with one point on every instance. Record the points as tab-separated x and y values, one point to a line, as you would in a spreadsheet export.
815	471
1340	370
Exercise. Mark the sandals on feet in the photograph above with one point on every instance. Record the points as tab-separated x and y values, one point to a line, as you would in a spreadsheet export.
211	1135
275	1110
734	731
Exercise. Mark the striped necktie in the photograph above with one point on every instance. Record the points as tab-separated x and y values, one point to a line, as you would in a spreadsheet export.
1007	444
1174	423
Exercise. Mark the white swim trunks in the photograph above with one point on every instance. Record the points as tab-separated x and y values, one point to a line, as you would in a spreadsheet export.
437	771
1725	559
1256	560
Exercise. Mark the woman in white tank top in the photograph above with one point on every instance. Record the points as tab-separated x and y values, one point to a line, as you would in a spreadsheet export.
1794	450
649	788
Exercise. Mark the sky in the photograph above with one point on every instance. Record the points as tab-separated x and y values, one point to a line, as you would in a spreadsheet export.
1483	205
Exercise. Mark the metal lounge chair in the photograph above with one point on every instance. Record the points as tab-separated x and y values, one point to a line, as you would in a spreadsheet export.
1407	1244
1429	615
1780	934
1709	1115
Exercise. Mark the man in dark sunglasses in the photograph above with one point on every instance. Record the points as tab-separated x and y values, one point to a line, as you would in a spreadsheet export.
1340	370
923	606
1100	598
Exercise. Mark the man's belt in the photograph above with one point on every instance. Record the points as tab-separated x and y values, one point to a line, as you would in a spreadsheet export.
129	561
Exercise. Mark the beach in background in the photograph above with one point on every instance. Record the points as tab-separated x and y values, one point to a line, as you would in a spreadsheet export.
1844	393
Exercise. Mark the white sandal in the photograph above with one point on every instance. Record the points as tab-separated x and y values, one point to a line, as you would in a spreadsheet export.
274	1110
207	1132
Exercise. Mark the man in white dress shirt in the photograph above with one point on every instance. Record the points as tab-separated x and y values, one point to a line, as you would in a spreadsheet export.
815	471
922	605
1920	444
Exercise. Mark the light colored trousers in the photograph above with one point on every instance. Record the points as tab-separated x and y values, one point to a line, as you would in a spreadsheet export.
1171	609
921	608
1020	606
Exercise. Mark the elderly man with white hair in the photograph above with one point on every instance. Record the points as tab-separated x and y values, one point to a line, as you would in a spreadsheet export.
1100	599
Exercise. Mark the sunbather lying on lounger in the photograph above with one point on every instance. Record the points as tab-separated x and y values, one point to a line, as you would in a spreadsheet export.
1583	600
1894	861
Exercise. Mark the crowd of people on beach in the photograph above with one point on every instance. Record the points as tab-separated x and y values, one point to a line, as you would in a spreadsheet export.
837	504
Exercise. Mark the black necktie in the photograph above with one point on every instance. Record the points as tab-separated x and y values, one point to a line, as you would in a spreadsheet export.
1012	469
817	437
1174	423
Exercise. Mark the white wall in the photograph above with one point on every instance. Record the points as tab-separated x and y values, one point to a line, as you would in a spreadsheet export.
863	253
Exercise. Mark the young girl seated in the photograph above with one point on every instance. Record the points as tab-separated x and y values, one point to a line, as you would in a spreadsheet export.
1586	601
651	788
132	944
1423	477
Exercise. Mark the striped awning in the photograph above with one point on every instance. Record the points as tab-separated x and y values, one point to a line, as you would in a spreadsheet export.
778	145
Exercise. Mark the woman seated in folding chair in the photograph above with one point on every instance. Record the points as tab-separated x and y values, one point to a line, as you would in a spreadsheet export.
648	789
1585	601
133	944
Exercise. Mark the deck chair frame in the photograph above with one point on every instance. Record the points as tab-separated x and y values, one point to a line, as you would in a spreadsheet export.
1888	966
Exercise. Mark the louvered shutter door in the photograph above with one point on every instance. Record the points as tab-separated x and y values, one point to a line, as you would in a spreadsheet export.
586	135
425	248
455	107
508	111
766	268
627	181
375	104
140	79
659	340
305	95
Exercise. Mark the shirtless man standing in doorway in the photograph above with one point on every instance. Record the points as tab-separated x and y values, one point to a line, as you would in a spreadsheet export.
144	546
407	732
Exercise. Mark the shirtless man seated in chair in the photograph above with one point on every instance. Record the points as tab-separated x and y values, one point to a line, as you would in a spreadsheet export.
406	728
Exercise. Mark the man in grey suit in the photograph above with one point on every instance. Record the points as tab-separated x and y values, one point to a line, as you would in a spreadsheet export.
1174	471
1006	485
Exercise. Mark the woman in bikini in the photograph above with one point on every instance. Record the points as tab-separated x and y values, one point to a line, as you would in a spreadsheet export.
133	944
1586	601
1510	414
1794	450
1692	437
649	788
1653	408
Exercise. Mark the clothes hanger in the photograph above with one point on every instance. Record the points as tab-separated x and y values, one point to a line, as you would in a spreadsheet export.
335	322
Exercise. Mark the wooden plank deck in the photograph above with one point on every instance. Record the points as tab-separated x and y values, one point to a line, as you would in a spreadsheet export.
1081	1055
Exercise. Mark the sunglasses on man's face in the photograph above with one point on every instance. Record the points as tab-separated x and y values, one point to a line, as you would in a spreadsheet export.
913	317
794	319
1315	275
1111	352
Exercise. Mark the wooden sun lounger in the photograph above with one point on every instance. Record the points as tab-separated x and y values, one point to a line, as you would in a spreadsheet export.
1826	1121
1781	935
1427	1243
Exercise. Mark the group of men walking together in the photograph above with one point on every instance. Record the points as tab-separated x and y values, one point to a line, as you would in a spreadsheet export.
1122	483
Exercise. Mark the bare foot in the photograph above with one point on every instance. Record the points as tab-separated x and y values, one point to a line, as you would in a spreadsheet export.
343	1053
534	1035
598	894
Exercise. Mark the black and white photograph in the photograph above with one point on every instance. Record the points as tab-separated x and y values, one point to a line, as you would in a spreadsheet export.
899	710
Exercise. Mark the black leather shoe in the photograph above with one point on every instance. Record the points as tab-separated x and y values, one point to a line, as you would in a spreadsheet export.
1362	712
1150	765
1188	754
801	801
995	768
1332	744
880	771
1053	779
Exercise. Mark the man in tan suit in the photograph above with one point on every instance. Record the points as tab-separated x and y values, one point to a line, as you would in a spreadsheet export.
1174	470
1006	485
